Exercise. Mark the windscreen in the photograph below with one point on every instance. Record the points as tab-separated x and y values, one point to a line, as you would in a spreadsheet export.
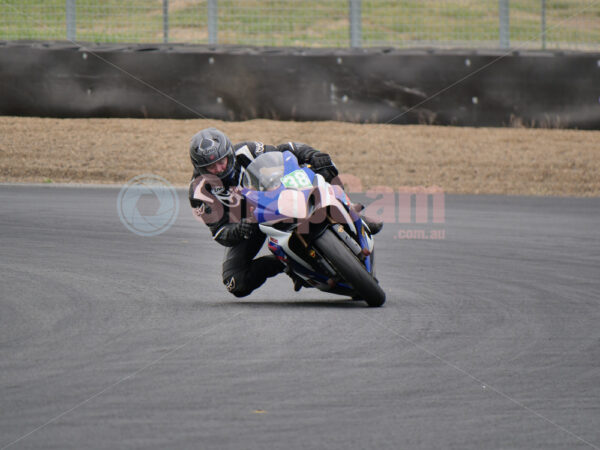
265	172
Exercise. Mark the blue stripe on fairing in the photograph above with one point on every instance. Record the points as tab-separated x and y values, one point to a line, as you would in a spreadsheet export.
290	162
363	242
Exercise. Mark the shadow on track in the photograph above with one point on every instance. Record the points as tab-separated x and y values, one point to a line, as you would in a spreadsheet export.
292	303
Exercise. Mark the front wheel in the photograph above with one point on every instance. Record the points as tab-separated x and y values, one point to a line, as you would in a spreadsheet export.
350	268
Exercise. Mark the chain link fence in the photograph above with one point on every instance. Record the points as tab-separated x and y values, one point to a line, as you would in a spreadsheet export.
527	24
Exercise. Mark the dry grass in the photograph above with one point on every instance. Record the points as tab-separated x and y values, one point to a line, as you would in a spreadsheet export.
459	160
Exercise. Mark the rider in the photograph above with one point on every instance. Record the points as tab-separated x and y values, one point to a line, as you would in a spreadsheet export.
217	173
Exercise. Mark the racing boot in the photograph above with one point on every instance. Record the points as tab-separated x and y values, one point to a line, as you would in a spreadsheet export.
299	283
375	226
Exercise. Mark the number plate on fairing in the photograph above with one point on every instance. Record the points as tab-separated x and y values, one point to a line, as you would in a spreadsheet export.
296	180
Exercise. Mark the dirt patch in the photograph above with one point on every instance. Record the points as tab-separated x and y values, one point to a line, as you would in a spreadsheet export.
458	160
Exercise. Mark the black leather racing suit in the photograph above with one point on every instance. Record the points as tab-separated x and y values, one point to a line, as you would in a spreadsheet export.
221	210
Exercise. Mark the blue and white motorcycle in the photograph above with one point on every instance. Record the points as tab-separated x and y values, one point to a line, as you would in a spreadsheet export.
311	227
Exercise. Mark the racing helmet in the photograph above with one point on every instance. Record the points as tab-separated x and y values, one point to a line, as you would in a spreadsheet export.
210	146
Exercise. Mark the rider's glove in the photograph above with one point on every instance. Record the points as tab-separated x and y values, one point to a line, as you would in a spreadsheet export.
322	164
320	160
245	229
233	233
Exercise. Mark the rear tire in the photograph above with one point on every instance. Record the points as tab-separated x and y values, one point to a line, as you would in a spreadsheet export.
350	268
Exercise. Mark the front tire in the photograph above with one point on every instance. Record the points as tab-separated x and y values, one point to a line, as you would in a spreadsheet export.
350	268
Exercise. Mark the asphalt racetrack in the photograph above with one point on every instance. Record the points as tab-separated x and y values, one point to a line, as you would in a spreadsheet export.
489	338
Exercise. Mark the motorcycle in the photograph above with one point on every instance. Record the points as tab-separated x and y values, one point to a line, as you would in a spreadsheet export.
312	227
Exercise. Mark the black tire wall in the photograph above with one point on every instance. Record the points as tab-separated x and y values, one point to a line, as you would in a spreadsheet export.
362	85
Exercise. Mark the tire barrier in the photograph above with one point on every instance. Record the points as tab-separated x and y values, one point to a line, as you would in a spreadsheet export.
378	85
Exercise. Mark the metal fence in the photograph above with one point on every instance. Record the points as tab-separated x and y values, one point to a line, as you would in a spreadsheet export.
551	24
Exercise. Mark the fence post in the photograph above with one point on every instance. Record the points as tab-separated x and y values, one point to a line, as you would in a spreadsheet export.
165	21
71	20
544	24
213	24
355	23
503	12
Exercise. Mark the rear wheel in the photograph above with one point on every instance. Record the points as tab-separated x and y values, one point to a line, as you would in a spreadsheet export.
350	268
